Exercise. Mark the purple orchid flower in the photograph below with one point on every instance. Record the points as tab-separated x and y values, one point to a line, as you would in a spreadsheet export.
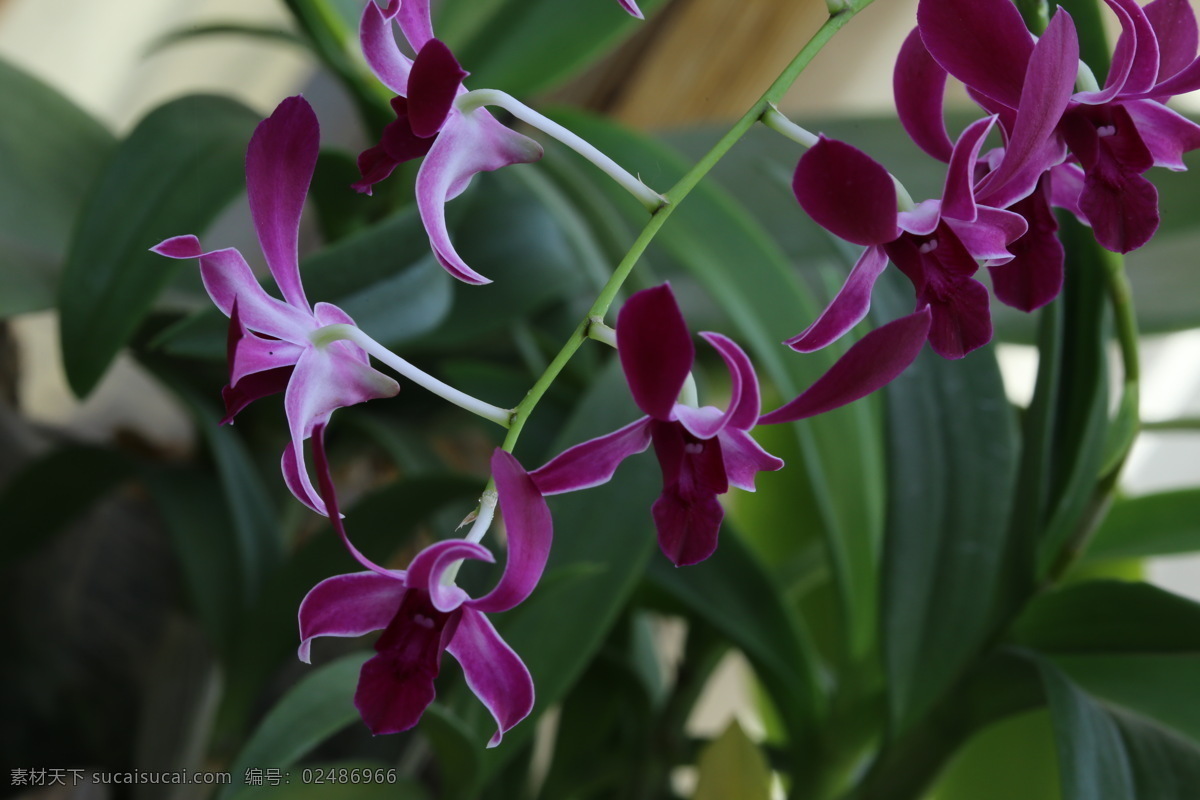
456	145
1116	133
937	244
702	451
271	342
422	616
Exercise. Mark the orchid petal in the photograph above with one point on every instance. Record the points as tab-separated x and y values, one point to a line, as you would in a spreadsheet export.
958	197
1135	58
919	84
1174	25
745	401
921	220
229	280
849	306
704	422
1182	82
280	162
1123	213
983	43
694	464
348	605
687	514
987	239
687	526
414	20
1066	187
655	349
427	568
745	458
529	531
251	354
1034	276
295	477
251	387
467	144
846	192
379	47
494	672
432	86
1166	133
593	462
1049	83
870	363
962	320
631	7
396	686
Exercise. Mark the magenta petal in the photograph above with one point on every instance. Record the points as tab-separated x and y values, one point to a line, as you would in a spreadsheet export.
745	458
848	308
396	686
379	47
428	567
1174	24
493	671
919	84
432	86
413	18
295	477
745	401
631	7
1034	276
329	497
704	422
529	530
655	348
348	605
983	43
1136	57
279	166
254	386
1122	209
593	462
467	145
687	526
987	238
962	319
1166	133
872	362
1048	87
958	197
846	192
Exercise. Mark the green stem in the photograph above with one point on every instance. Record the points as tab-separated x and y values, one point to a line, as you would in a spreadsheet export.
675	196
1182	424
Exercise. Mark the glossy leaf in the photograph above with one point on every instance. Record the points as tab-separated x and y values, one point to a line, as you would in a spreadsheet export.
1013	758
952	459
457	753
313	710
50	152
1167	523
179	167
525	47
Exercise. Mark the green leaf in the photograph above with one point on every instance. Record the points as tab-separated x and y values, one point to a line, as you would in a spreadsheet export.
528	46
732	766
181	165
1128	643
50	152
1107	752
1153	525
456	750
1013	758
312	711
53	491
952	457
734	593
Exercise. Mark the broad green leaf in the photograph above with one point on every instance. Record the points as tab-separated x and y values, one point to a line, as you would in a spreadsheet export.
1152	525
740	267
313	710
732	766
528	46
1128	643
1013	758
733	592
51	492
50	152
1080	414
180	166
457	753
1108	752
952	459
